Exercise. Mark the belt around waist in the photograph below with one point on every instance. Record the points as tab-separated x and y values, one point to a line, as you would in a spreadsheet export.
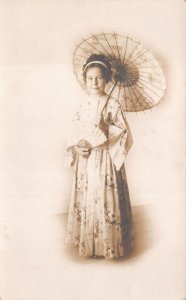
104	147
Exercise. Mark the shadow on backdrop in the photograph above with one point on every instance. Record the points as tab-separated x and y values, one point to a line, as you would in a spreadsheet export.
143	238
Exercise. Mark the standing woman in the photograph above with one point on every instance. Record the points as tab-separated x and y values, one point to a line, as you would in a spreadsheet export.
100	218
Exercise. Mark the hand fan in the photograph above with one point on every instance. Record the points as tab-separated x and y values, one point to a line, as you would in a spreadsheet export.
90	136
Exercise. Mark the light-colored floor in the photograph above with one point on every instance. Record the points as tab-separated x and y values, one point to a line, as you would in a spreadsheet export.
35	264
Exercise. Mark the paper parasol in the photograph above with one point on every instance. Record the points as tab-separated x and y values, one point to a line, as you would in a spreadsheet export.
138	82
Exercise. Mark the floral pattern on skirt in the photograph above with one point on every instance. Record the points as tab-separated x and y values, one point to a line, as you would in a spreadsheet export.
100	218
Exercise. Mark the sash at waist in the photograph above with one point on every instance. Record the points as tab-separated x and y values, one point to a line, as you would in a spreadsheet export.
101	147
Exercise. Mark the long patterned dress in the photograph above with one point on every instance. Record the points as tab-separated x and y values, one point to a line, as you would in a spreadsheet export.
100	218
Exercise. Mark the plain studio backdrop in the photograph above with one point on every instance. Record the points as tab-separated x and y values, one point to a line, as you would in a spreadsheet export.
39	94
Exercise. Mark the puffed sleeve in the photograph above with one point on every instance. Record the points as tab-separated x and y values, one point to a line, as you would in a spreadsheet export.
119	135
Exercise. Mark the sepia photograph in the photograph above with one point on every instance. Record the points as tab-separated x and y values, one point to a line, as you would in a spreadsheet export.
92	150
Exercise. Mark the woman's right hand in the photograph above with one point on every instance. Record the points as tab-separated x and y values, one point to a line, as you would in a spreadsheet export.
85	152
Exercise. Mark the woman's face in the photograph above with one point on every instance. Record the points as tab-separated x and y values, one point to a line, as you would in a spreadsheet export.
95	81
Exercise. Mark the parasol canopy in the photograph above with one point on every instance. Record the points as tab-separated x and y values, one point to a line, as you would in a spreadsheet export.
138	82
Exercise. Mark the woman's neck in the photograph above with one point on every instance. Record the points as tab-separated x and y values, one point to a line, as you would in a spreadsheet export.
97	96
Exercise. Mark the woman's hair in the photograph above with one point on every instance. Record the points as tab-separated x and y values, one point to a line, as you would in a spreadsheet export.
100	61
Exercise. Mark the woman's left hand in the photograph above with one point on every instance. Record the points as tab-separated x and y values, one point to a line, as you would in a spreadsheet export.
82	151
